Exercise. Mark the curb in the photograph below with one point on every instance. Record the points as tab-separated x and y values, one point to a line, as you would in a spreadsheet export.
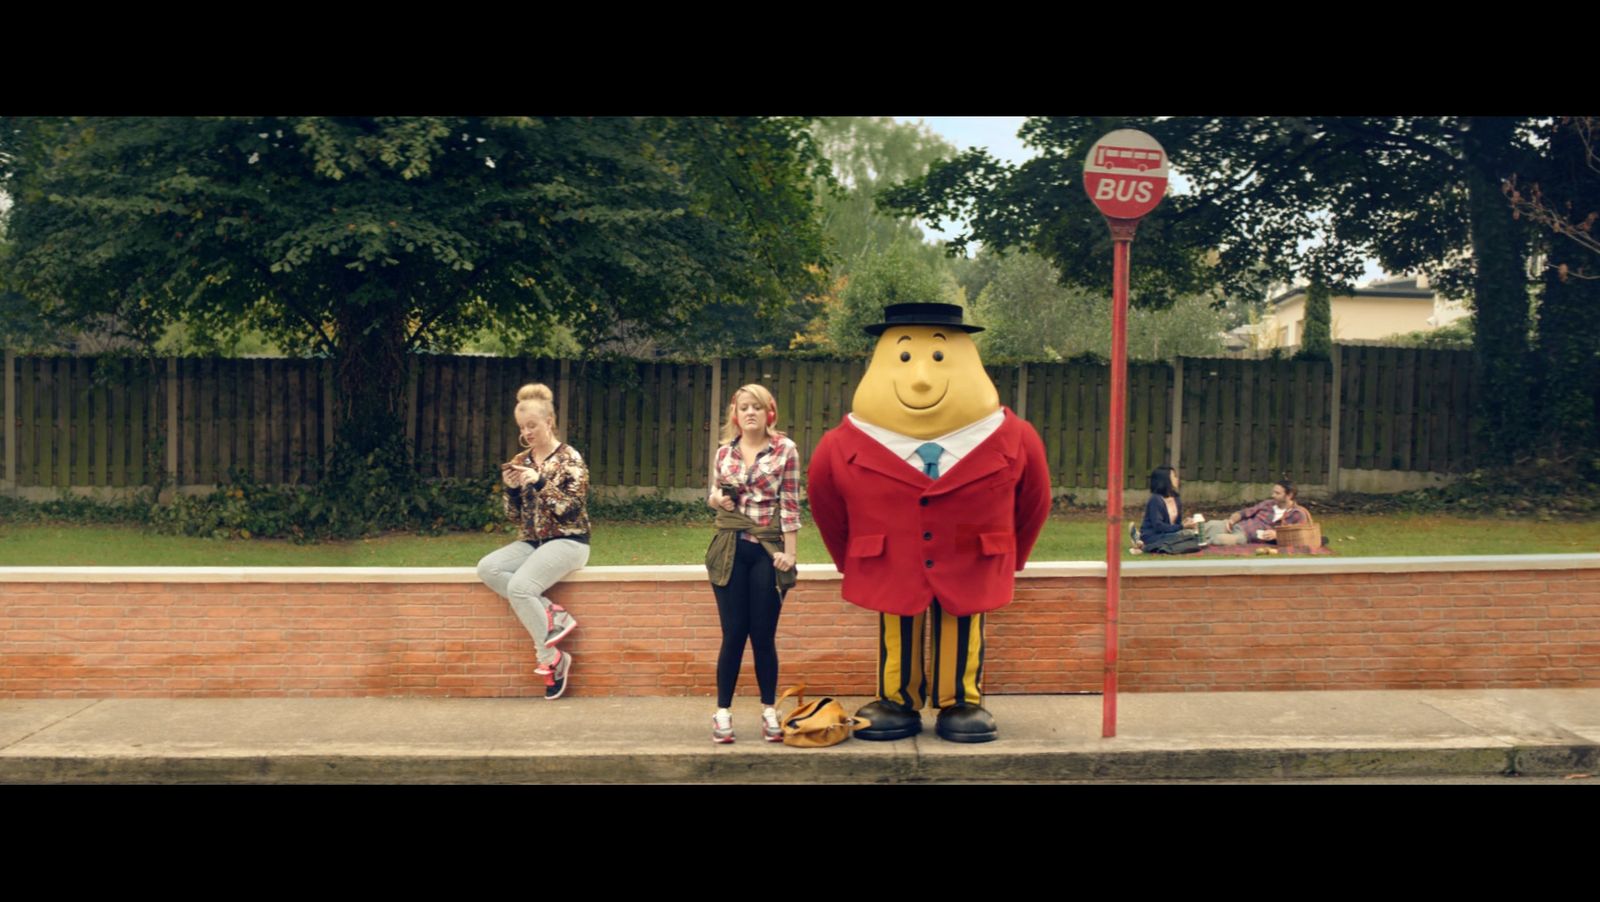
839	765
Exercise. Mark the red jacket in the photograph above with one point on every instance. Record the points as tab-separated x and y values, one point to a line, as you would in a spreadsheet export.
902	539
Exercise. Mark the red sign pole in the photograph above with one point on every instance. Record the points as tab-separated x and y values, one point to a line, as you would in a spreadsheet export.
1122	241
1126	177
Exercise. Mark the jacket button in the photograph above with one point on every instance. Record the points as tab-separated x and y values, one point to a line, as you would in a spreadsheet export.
922	501
927	537
929	563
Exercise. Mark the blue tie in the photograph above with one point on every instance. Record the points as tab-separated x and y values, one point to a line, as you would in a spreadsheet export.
929	452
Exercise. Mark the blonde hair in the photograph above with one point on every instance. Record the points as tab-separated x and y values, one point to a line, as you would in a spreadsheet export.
730	428
534	399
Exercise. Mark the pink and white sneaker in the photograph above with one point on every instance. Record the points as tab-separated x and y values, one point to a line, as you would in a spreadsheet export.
722	726
558	624
771	729
555	681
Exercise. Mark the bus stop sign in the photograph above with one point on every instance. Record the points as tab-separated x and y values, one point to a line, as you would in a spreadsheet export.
1126	174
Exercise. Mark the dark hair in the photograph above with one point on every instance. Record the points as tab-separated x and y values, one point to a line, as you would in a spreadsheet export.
1161	482
1288	488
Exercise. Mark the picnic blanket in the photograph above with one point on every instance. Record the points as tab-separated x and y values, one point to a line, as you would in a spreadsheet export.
1251	550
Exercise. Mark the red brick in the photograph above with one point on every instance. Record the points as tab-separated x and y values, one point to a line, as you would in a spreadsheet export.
1234	633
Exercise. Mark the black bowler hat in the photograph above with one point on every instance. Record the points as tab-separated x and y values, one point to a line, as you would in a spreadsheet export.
921	315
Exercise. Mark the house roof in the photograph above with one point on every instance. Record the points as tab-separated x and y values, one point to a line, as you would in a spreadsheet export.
1397	288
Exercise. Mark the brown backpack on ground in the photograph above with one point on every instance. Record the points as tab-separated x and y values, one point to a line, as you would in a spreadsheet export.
819	724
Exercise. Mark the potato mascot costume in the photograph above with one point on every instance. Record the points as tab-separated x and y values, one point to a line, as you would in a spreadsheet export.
929	496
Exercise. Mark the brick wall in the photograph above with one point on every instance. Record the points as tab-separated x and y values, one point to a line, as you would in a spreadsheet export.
1316	624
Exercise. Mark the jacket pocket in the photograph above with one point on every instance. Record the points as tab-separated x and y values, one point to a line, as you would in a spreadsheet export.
998	542
865	546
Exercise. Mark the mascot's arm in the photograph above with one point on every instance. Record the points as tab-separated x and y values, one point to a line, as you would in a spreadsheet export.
1033	493
827	506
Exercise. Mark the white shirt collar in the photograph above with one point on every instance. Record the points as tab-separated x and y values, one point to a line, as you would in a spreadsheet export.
956	444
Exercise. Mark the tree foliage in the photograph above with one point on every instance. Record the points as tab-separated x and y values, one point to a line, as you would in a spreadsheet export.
1566	190
1453	335
1568	210
1316	343
901	274
1028	314
868	154
1281	196
363	237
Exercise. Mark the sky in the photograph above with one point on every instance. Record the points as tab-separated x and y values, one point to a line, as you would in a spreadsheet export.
999	135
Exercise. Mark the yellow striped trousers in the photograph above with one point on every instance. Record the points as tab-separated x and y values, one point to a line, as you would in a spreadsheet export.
957	658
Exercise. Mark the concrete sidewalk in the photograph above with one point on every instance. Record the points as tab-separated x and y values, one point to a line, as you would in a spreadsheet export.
1182	736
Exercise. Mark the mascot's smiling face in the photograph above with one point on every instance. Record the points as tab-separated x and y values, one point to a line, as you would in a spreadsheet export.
925	381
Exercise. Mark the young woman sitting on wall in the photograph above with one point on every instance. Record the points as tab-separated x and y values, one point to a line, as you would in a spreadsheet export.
546	494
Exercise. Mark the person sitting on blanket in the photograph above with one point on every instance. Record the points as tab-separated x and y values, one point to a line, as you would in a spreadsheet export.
1164	524
1258	522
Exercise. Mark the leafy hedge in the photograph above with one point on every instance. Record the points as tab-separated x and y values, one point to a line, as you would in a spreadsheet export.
362	498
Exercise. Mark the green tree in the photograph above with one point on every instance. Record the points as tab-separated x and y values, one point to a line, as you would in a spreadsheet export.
1569	209
1028	314
365	237
1317	341
1454	335
899	275
1445	215
1279	196
865	155
868	154
1564	198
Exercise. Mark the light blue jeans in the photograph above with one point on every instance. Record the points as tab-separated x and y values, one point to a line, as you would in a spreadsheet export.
521	574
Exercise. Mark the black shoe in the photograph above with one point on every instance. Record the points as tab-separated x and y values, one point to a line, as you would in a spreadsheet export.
890	721
966	723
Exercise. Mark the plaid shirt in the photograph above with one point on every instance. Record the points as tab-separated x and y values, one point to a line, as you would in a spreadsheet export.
1261	516
773	478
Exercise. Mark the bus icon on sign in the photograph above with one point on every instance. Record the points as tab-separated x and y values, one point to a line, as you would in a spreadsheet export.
1133	158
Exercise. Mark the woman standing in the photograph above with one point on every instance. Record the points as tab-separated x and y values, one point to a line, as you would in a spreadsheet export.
546	495
756	493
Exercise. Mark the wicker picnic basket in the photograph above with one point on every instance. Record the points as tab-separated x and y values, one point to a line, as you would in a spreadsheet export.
1308	534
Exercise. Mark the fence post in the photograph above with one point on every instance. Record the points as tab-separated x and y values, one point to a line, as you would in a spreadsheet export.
563	380
326	371
1333	424
413	401
172	422
1022	391
11	420
716	410
1175	434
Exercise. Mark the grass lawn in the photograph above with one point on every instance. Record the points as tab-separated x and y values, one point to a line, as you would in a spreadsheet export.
1067	537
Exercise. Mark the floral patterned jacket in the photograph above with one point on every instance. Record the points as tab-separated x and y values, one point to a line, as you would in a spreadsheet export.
556	506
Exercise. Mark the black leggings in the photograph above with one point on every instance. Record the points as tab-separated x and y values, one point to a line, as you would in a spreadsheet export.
748	606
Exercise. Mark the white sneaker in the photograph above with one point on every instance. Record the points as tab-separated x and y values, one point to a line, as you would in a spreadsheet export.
722	726
771	729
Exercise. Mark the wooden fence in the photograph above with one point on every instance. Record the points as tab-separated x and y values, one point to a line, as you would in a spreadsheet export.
125	422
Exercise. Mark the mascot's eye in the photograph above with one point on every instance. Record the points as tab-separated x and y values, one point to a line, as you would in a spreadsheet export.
905	356
938	355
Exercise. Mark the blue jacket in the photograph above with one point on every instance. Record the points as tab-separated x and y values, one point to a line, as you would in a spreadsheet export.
1156	522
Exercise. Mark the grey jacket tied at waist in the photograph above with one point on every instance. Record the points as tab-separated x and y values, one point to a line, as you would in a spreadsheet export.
719	557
